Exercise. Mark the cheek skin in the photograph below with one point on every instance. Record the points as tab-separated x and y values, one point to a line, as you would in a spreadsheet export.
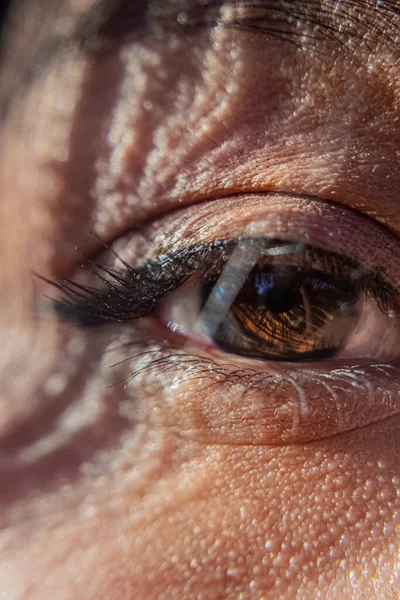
226	522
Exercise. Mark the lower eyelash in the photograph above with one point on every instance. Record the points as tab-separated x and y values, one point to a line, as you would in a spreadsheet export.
277	405
162	359
168	359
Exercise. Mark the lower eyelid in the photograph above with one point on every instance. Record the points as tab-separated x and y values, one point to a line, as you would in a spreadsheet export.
210	401
292	408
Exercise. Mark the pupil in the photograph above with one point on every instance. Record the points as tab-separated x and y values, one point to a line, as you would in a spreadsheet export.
277	292
280	298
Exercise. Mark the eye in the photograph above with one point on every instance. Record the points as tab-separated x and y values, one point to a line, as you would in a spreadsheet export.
248	320
282	301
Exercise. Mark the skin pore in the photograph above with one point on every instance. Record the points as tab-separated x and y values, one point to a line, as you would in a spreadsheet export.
146	115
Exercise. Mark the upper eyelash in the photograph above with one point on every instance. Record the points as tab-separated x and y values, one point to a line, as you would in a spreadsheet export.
129	293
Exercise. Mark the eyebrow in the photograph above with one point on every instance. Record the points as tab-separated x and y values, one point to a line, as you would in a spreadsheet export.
299	21
306	23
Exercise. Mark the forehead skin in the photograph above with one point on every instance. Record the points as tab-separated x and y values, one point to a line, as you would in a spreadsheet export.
111	135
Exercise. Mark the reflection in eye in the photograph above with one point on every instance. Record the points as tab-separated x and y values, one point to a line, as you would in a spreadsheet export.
297	302
257	297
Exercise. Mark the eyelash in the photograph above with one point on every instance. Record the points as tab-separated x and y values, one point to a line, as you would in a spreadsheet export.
128	294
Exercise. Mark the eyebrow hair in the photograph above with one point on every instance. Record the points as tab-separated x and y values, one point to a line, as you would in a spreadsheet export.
302	22
341	20
306	23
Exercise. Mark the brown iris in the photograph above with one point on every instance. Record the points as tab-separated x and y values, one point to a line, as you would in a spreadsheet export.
286	312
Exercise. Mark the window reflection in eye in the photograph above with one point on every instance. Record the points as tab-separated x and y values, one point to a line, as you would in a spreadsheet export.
295	303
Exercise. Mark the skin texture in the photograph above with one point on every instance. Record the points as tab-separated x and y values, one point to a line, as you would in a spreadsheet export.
102	497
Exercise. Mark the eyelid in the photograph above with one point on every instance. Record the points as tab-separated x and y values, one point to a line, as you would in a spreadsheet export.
307	221
213	401
284	216
181	243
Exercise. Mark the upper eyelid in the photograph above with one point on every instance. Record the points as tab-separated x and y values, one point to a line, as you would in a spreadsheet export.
127	293
341	193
